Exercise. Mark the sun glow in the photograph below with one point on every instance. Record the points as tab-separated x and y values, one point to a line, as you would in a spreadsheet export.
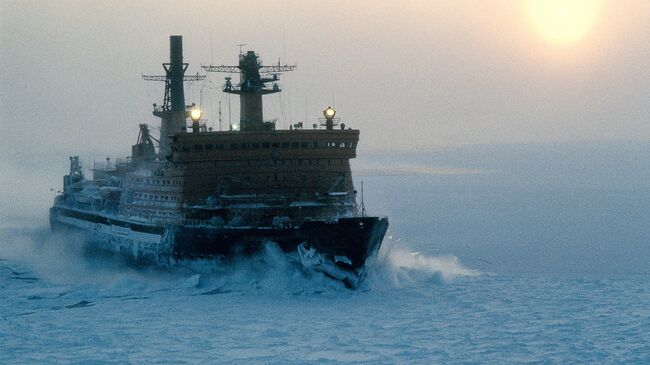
563	21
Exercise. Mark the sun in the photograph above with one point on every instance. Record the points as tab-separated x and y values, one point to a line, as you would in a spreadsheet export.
563	21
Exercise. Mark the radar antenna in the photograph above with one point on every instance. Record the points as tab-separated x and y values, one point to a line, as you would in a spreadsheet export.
241	47
167	99
251	87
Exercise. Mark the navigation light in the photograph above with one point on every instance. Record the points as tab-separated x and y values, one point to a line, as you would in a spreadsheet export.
329	113
195	114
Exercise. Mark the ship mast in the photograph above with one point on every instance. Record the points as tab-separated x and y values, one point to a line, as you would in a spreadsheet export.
252	86
173	112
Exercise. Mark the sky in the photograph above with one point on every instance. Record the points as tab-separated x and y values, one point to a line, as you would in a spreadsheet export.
411	75
490	125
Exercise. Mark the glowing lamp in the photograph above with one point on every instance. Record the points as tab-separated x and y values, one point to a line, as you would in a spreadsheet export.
329	113
195	114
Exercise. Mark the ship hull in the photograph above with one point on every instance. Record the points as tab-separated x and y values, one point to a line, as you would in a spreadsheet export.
346	243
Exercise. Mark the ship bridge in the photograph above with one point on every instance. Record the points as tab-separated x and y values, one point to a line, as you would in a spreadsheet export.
303	164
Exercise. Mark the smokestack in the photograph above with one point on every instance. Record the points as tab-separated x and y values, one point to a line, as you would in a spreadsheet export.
173	114
176	73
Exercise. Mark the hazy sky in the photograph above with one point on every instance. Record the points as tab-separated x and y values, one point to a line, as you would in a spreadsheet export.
415	74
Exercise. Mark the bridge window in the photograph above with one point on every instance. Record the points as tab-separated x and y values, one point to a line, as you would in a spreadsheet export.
266	145
285	144
255	146
208	147
233	146
198	147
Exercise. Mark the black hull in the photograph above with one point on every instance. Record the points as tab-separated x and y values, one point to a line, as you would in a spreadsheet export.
347	242
355	238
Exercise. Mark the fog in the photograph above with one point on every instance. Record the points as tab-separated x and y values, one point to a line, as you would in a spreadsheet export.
515	174
415	75
463	110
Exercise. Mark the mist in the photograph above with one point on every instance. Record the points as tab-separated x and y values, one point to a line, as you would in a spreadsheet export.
415	76
515	174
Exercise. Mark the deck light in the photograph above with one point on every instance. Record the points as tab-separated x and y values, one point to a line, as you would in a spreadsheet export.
195	114
329	113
